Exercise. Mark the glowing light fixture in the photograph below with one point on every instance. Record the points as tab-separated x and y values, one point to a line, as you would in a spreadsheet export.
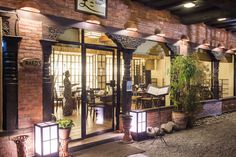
204	46
231	50
189	5
30	9
222	19
138	124
184	38
93	19
158	32
218	49
131	26
46	139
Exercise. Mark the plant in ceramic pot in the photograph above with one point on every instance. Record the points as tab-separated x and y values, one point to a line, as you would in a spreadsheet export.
187	77
65	126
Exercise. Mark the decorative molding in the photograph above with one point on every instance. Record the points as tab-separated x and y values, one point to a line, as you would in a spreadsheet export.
126	42
54	32
5	26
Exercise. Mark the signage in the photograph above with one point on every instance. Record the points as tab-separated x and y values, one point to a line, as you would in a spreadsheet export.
30	63
96	7
129	86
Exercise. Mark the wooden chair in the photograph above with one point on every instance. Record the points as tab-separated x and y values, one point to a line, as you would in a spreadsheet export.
92	104
57	99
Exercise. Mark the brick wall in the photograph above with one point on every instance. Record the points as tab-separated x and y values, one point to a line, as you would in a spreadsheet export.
228	104
148	19
30	81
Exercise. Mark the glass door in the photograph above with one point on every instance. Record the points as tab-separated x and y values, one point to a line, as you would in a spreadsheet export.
100	89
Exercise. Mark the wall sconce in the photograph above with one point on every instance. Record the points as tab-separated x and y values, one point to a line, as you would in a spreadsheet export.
231	50
30	6
218	49
93	19
46	139
138	125
204	46
184	38
131	26
158	32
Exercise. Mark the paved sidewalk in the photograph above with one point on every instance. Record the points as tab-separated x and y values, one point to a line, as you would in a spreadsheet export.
212	137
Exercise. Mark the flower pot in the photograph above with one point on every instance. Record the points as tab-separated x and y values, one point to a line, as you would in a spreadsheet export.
64	133
180	119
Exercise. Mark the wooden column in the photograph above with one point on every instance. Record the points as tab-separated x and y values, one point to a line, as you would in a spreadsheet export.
234	57
48	107
127	45
1	91
10	82
215	81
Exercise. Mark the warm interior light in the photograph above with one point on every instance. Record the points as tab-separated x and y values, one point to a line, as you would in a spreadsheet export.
30	9
189	5
93	19
94	35
221	19
131	26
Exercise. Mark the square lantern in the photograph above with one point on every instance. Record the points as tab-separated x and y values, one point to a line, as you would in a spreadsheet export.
138	125
46	139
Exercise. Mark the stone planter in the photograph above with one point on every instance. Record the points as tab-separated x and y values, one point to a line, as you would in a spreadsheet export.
180	119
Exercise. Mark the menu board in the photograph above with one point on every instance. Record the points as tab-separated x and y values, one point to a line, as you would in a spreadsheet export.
158	91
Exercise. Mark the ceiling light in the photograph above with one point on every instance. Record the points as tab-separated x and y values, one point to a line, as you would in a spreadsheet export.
221	19
189	5
131	26
93	19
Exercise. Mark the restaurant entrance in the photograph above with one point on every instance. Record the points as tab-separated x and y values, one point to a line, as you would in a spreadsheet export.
90	69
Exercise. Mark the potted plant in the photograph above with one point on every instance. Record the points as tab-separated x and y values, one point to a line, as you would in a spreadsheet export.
187	77
65	126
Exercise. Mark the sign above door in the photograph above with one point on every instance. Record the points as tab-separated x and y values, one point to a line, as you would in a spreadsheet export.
96	7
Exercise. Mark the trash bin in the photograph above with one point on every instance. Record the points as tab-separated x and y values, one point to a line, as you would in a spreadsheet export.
21	146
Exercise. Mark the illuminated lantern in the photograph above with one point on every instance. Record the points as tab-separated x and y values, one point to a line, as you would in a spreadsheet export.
138	125
46	139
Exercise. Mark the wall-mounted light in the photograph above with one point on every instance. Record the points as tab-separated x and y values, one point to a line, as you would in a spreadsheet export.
30	6
131	26
158	32
184	38
218	49
231	50
93	19
204	46
189	5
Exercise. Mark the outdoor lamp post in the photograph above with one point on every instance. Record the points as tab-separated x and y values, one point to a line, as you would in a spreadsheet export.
138	124
46	139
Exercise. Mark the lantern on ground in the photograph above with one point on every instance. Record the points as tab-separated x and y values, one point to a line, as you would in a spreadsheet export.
46	139
138	124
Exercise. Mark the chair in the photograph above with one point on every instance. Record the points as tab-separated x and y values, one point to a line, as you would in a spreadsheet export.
92	103
59	100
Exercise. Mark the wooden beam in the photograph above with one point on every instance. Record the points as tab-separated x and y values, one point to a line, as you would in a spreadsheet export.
204	16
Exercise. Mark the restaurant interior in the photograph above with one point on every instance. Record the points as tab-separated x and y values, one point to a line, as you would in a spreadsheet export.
149	66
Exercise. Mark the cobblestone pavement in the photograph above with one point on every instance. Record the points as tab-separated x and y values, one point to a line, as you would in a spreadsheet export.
211	137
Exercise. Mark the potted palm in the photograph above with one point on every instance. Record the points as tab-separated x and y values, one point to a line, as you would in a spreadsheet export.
65	126
187	76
